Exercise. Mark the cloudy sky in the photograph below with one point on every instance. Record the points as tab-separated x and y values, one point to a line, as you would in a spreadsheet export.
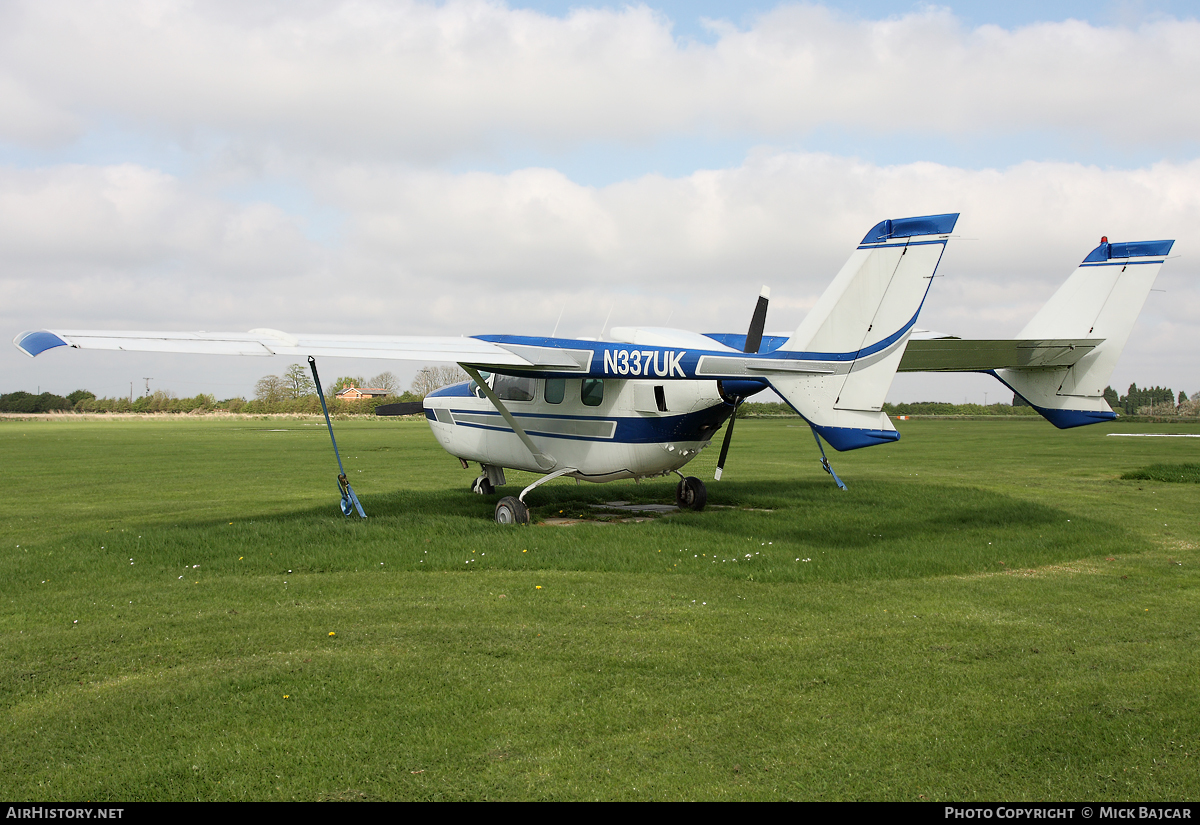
473	167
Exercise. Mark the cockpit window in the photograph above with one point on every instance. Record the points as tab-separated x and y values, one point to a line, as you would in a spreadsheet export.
474	388
513	388
591	391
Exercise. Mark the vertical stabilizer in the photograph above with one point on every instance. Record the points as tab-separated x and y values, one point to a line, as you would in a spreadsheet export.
859	328
1101	299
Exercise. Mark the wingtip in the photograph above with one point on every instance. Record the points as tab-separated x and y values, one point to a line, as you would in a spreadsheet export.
34	342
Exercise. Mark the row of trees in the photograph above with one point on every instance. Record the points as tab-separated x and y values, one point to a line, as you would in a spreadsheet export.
431	378
296	383
85	401
1150	401
27	402
293	391
942	408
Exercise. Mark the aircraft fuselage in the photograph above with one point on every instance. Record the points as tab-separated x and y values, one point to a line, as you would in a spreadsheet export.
604	429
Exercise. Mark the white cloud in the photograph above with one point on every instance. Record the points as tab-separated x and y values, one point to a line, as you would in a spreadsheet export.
426	252
371	112
426	81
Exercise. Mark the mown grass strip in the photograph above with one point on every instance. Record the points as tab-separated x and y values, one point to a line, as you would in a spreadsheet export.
1186	473
990	612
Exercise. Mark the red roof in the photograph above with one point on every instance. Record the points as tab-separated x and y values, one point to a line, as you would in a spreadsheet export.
362	391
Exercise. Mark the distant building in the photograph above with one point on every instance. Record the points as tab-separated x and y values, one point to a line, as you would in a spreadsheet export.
353	393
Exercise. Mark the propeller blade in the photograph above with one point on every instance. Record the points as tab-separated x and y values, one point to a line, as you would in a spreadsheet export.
758	321
754	335
725	445
400	408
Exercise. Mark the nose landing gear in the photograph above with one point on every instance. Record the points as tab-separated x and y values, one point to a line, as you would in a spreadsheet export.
691	494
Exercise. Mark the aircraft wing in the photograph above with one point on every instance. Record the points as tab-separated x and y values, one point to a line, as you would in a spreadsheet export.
965	355
266	342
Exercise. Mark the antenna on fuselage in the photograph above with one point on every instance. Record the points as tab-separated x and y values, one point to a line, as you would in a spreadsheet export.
606	319
559	321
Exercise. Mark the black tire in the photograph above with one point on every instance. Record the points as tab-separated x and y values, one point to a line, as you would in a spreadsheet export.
510	510
483	487
691	494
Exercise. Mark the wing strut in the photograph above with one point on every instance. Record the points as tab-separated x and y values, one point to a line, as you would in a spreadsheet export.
349	500
546	462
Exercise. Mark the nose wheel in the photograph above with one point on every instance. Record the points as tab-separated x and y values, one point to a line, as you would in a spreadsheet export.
482	486
690	494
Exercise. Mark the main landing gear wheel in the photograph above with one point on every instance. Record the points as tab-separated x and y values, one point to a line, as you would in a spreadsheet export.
511	510
482	486
690	494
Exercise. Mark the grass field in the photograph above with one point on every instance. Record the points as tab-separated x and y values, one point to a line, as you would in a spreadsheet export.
989	613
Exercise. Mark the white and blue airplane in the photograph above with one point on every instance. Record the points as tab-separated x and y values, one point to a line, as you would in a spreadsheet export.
647	400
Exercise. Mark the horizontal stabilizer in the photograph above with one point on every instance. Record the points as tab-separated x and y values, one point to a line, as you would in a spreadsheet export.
966	355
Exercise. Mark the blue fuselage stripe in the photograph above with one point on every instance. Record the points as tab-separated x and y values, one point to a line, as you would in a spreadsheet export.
670	364
696	426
